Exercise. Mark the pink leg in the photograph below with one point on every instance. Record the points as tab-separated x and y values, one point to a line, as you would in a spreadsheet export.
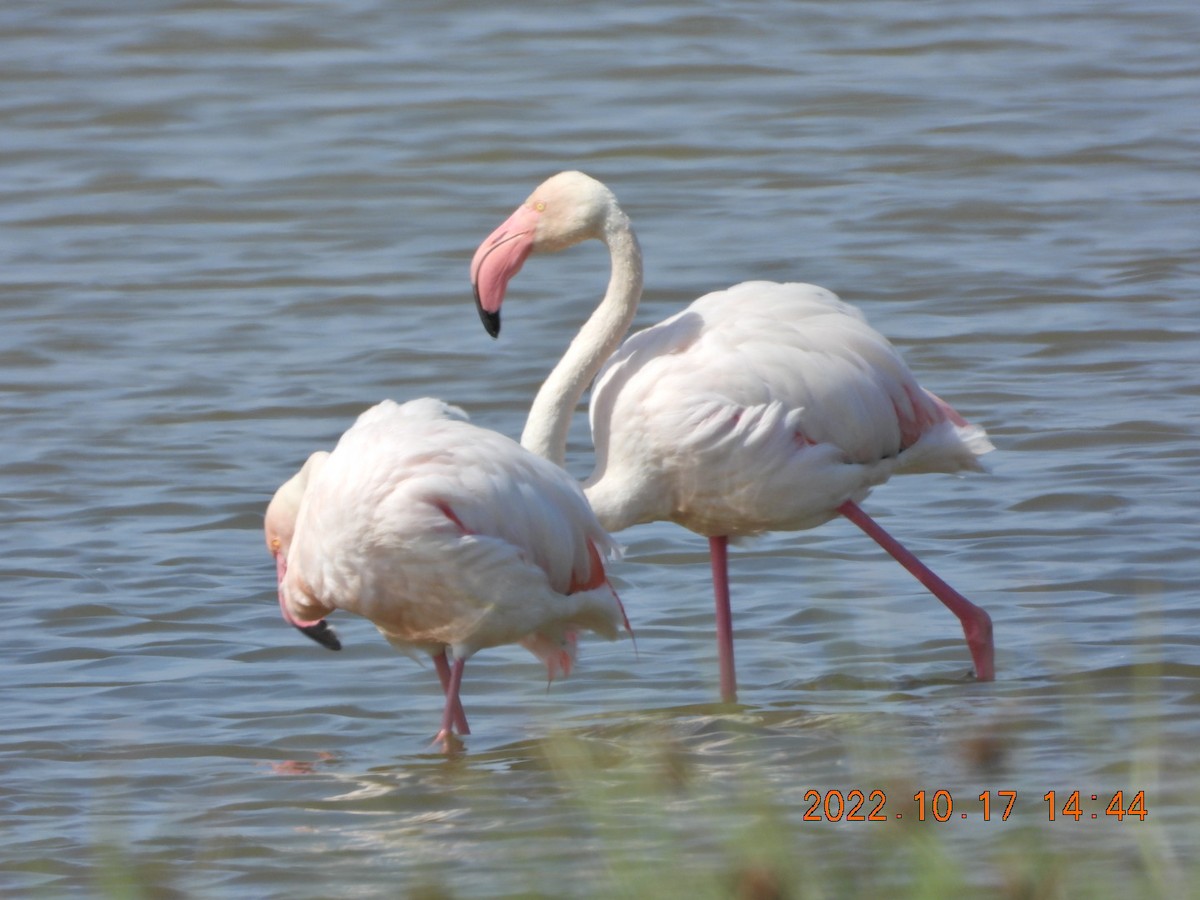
445	735
976	623
718	550
443	670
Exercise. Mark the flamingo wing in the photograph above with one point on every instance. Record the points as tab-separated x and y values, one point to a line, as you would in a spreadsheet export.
760	407
442	533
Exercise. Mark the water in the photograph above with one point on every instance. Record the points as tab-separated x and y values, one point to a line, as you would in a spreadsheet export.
227	228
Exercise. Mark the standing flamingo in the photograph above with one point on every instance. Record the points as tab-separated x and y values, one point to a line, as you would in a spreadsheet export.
445	536
762	407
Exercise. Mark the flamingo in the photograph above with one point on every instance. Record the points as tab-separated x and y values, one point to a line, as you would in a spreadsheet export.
448	538
763	407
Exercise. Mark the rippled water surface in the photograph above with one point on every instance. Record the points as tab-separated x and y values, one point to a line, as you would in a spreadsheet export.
226	228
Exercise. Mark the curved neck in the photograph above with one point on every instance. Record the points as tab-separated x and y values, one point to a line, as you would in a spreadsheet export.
550	415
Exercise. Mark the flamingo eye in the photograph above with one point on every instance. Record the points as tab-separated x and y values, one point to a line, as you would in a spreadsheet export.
540	206
276	544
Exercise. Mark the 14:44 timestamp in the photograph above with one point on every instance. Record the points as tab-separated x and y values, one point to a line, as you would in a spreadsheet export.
1072	808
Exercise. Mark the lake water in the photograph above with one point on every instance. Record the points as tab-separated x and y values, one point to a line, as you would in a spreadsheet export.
226	228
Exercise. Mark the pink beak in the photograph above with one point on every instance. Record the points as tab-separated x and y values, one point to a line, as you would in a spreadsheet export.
497	260
318	630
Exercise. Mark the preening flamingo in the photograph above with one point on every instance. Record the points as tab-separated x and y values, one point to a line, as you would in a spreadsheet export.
447	537
759	408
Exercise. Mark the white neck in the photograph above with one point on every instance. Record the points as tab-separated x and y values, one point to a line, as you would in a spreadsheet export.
550	415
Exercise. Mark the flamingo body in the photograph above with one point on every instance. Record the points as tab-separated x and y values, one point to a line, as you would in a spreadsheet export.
447	537
762	407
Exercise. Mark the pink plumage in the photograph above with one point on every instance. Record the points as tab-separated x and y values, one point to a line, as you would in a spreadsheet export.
449	538
761	407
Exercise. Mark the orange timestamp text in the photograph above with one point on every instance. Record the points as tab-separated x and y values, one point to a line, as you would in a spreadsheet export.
857	805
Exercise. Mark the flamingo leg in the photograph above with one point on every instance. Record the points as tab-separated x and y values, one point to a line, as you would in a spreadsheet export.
446	736
443	670
976	623
718	551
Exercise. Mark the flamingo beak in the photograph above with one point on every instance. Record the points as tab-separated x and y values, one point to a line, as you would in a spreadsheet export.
497	260
318	630
491	321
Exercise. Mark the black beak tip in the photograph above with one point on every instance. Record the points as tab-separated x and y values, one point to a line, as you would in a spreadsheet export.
322	634
491	321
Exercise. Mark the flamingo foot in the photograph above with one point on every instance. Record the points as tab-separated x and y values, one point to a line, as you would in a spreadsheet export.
448	742
977	629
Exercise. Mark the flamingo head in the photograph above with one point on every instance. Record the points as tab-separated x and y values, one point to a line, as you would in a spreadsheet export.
280	528
564	210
